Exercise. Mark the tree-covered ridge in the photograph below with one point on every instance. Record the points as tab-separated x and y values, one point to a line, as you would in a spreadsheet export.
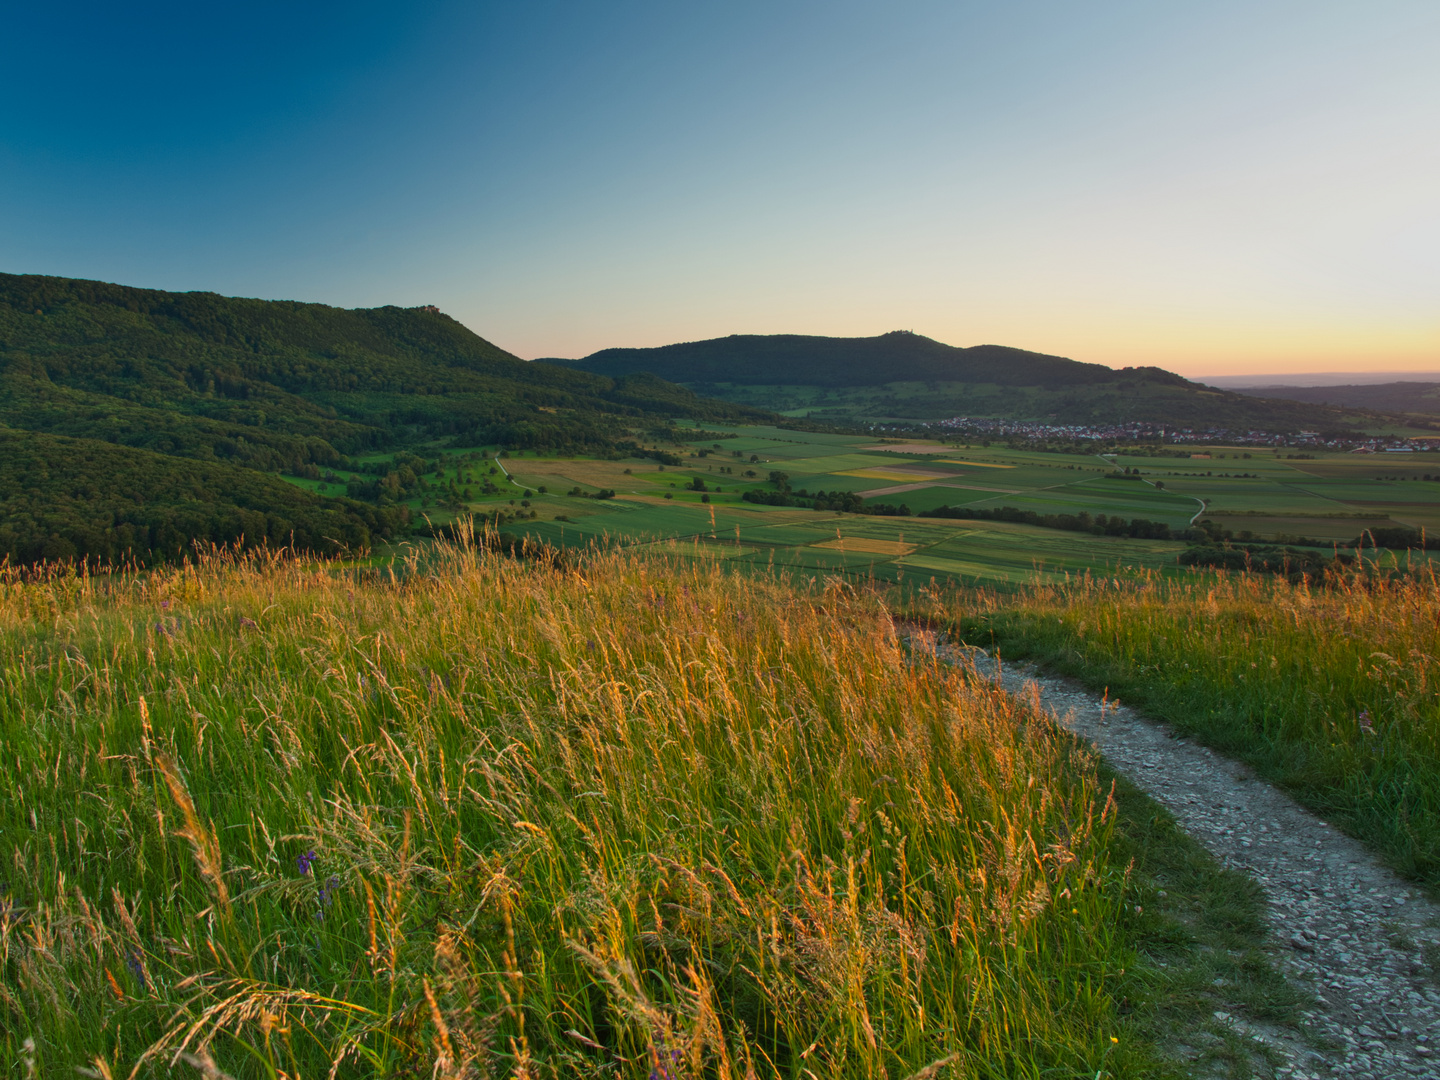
270	431
135	423
275	384
63	498
899	356
905	376
105	335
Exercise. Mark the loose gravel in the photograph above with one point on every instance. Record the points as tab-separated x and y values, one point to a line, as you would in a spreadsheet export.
1346	929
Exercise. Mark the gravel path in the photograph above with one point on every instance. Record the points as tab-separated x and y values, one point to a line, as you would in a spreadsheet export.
1346	929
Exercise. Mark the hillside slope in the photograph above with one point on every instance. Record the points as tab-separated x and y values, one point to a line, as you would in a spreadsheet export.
63	498
902	375
204	393
828	361
273	384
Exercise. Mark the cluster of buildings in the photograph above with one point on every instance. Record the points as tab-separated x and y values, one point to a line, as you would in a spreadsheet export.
1032	431
990	427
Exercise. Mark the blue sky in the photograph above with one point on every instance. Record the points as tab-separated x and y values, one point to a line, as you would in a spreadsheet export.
1226	187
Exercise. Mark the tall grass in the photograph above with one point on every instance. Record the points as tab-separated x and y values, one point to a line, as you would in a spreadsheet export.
486	817
1333	690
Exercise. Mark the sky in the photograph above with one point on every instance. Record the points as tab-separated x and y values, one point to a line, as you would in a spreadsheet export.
1224	188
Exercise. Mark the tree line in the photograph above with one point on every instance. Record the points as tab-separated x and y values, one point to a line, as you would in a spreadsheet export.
210	397
85	500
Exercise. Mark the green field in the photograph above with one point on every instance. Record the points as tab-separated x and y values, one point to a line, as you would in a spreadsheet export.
1256	494
1262	493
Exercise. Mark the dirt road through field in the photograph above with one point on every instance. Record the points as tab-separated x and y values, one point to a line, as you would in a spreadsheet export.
1345	928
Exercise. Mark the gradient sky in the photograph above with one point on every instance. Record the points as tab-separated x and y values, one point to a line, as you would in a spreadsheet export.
1226	187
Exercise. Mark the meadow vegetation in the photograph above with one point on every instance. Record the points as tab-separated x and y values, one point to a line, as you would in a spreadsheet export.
1331	689
627	815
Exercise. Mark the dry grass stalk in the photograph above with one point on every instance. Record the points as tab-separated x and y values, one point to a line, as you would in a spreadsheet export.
787	846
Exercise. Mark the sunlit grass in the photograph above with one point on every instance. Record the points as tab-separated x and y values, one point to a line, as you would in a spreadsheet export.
490	817
1333	689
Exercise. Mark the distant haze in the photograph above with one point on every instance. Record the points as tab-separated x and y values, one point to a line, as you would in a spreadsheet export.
1317	378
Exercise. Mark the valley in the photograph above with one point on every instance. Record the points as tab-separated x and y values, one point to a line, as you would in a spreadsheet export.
673	541
380	703
1272	496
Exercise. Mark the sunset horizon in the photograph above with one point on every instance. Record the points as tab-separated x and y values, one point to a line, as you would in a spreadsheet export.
1219	192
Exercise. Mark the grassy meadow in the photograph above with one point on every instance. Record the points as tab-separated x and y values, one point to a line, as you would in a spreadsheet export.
1333	691
678	799
478	816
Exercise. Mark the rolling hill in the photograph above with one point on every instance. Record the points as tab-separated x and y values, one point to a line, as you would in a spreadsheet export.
178	403
826	361
905	376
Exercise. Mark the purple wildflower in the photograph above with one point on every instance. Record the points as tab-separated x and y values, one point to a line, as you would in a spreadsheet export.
304	861
137	968
1366	724
327	897
661	1070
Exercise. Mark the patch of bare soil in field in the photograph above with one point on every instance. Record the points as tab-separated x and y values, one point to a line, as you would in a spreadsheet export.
911	448
868	547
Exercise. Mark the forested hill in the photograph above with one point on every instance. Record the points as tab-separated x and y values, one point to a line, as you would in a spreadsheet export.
905	376
273	384
801	359
63	499
261	386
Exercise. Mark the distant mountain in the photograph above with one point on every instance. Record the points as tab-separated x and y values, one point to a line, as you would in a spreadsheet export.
1391	397
205	392
1315	378
898	356
905	376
